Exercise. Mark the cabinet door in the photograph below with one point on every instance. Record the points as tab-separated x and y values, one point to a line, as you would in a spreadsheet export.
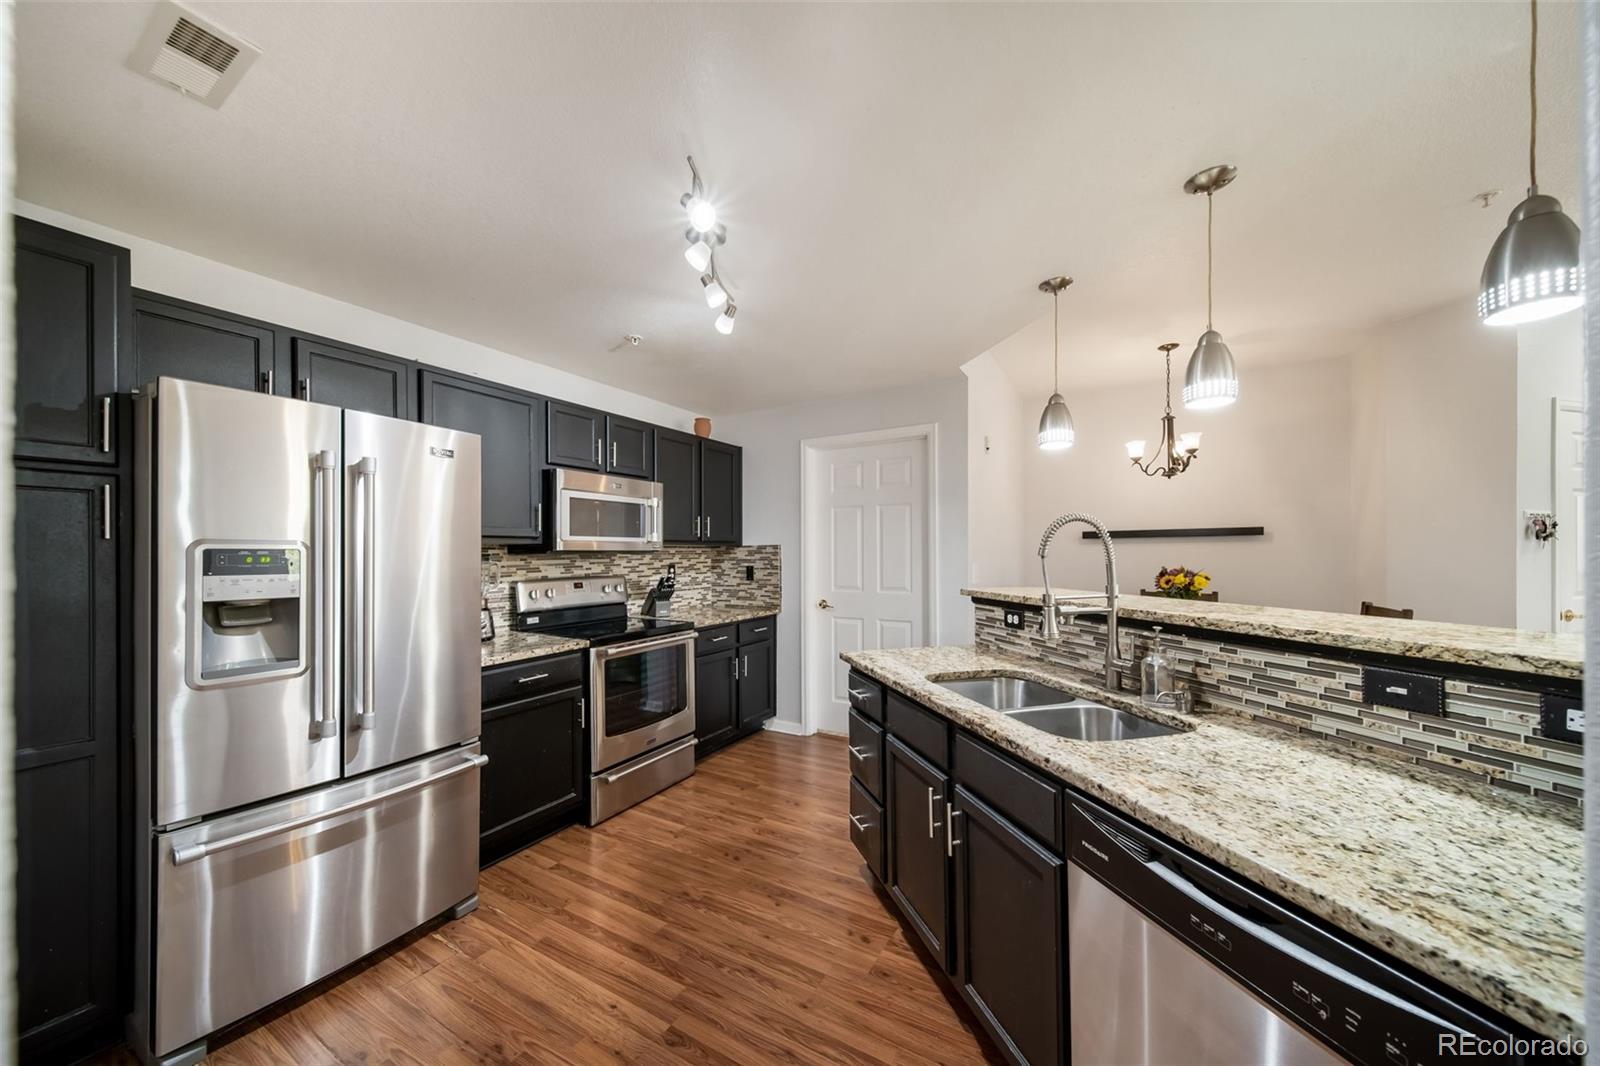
72	308
758	690
678	470
353	378
715	696
1009	896
577	436
68	876
173	338
721	494
630	448
535	770
511	426
919	871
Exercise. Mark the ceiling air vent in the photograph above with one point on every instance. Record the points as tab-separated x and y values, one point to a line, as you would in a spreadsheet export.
197	57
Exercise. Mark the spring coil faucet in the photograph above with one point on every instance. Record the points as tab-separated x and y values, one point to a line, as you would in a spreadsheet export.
1049	619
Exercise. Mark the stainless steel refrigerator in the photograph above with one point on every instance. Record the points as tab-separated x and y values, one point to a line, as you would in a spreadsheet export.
306	696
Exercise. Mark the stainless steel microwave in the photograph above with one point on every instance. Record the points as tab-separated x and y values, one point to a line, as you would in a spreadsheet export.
604	513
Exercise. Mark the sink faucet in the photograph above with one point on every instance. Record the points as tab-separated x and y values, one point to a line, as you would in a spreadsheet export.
1049	620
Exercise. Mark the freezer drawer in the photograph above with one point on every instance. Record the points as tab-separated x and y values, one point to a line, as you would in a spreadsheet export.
255	906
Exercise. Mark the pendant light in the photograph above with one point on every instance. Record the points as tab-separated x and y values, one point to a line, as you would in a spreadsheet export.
1210	380
1532	271
1055	424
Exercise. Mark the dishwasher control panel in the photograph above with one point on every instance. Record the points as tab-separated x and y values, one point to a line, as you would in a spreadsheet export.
1366	1008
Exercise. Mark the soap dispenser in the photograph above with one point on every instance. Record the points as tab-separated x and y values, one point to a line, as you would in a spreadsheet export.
1155	672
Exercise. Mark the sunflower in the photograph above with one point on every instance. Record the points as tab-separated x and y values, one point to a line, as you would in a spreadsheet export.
1164	582
1180	579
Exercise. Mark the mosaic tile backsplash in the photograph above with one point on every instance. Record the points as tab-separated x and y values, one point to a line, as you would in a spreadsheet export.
1488	732
706	576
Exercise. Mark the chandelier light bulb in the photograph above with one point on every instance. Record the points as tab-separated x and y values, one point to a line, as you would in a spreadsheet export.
724	322
1189	442
716	295
699	255
1135	449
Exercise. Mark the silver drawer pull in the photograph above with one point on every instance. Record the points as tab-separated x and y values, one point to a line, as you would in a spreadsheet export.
859	823
188	853
688	742
860	694
759	629
531	677
719	640
861	753
950	840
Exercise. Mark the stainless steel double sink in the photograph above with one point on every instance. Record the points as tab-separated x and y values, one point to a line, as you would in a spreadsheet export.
1054	711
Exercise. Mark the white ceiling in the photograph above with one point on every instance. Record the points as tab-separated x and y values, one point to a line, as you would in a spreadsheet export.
895	178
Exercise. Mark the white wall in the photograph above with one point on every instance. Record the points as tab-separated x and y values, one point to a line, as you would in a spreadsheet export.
172	272
995	454
1549	367
772	498
1278	458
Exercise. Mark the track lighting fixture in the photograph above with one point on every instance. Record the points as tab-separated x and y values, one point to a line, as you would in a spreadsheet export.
724	322
716	295
704	235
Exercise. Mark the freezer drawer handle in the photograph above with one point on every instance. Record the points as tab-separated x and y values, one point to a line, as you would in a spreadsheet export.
367	470
325	721
688	742
185	854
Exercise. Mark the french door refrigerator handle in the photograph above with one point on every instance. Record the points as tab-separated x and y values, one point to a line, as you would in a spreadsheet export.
367	472
325	719
187	853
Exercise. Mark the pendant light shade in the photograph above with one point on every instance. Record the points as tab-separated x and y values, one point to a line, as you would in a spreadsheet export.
1533	270
1210	380
1055	423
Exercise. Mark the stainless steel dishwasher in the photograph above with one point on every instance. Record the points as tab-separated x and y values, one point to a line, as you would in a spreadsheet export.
1172	960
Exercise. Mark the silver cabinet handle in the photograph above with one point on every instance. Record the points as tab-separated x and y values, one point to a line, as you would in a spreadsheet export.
688	742
538	519
305	389
325	715
531	677
860	823
930	813
613	453
719	640
187	853
367	473
105	511
860	753
267	383
582	708
708	527
858	693
759	629
697	525
598	444
746	660
950	840
105	424
734	662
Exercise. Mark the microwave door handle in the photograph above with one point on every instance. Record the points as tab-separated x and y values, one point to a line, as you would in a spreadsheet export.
324	720
367	475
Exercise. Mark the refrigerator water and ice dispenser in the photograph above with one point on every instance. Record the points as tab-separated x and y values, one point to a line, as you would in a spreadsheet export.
249	619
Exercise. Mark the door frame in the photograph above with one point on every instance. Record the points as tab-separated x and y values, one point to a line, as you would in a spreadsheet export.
1557	407
811	448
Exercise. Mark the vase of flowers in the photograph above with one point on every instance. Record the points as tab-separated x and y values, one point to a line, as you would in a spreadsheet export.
1181	583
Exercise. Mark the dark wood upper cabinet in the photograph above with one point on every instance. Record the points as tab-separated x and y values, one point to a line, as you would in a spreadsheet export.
361	380
72	307
577	436
511	424
630	448
919	872
715	696
175	338
1010	896
69	881
721	493
678	470
758	683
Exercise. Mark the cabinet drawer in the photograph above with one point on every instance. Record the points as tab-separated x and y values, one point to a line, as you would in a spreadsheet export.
758	629
717	638
922	731
520	680
866	696
866	828
866	755
1022	795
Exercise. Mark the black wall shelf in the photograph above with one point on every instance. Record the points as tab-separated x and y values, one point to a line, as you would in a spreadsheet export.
1202	531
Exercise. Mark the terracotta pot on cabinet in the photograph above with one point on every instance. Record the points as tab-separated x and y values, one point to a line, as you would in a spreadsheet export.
702	427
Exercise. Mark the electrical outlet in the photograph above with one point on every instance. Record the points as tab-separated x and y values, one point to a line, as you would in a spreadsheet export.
749	573
1013	618
1561	717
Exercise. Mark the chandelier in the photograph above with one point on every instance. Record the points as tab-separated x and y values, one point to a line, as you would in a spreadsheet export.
1178	450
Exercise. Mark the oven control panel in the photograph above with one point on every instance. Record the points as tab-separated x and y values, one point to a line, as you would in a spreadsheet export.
549	594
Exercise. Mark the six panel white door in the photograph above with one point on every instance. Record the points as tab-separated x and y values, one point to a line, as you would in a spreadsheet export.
1568	561
866	562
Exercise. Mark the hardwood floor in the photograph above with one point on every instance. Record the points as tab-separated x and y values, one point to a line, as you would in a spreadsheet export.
727	920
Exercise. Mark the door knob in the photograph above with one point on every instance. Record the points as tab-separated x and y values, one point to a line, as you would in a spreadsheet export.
825	605
1571	615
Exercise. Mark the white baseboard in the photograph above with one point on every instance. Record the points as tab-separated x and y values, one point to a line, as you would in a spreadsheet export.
778	725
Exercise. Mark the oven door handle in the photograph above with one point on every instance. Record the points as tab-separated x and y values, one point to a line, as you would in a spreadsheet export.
639	647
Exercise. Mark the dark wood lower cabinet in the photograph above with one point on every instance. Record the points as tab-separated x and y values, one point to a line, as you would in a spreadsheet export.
69	878
715	698
918	868
1010	900
736	682
535	778
758	689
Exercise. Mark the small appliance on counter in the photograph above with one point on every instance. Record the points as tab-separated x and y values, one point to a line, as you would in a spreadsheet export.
641	685
658	601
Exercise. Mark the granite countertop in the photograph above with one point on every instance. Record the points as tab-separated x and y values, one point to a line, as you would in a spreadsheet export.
510	646
1490	647
706	615
1480	889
